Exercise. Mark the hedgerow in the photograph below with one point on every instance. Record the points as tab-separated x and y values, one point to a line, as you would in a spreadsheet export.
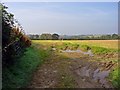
14	40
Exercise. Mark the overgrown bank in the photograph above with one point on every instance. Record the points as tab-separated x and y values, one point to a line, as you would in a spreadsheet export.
20	73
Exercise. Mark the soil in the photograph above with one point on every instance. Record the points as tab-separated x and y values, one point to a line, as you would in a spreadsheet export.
72	70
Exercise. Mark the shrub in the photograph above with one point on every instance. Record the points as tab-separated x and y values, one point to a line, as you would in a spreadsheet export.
14	41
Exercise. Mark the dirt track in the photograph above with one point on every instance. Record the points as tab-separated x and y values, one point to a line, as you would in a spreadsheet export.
72	70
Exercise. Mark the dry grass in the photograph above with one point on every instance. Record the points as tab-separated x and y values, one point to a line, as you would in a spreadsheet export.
113	44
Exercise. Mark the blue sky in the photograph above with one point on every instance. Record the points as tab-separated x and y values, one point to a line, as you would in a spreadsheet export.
66	17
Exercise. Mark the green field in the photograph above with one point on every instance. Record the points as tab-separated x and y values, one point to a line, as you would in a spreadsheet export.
41	56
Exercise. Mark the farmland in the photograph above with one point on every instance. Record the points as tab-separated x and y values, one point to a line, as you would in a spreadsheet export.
63	69
101	43
66	64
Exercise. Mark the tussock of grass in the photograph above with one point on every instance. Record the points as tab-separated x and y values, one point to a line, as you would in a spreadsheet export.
20	73
100	50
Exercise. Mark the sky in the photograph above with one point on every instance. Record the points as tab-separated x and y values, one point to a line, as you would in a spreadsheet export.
66	18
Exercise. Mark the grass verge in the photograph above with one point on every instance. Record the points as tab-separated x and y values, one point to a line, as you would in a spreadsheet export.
19	75
115	77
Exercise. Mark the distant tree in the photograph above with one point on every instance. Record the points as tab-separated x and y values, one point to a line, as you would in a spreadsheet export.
30	36
108	37
114	36
55	36
87	38
36	36
118	36
103	37
92	37
46	36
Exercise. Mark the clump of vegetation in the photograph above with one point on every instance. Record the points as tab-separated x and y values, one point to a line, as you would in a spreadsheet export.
100	50
97	50
84	47
20	73
68	46
115	77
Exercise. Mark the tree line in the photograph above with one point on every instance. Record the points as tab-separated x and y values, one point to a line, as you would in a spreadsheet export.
44	36
48	36
92	37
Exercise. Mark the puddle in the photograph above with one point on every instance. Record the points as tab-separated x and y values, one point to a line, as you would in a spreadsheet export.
89	52
85	72
101	76
96	75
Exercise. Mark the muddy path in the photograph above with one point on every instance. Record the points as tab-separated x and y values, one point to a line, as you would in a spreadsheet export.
72	70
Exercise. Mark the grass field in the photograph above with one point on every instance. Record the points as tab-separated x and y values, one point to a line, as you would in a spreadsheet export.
20	74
